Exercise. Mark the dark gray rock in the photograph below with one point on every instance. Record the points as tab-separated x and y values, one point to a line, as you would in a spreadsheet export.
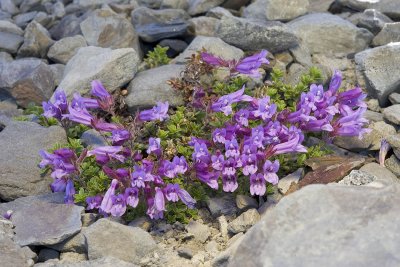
23	19
176	46
394	142
337	218
235	4
57	10
249	34
19	157
75	243
104	28
150	87
225	205
113	68
36	41
389	33
129	243
68	26
373	20
390	8
244	202
186	253
63	50
153	25
44	19
343	36
43	219
202	6
46	254
29	5
93	138
276	10
379	68
244	221
58	72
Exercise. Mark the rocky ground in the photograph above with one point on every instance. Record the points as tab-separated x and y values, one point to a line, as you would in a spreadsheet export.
45	44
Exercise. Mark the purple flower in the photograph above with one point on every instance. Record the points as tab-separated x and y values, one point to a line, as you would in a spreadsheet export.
106	101
249	164
383	151
69	192
51	111
132	196
264	109
208	177
154	146
120	136
7	215
335	82
257	184
219	135
105	153
102	126
58	185
352	98
60	100
83	102
140	176
270	169
293	144
159	112
180	163
107	203
62	169
185	197
79	114
173	191
167	168
232	148
217	161
241	117
201	153
229	183
93	202
224	103
118	207
350	122
251	64
213	60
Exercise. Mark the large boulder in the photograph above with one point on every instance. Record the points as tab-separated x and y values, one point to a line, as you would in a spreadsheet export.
283	10
388	7
113	68
20	143
327	225
379	68
326	33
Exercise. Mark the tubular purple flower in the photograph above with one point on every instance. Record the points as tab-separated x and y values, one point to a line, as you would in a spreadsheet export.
264	109
7	215
58	185
270	169
47	158
132	196
158	112
249	164
383	152
224	103
140	176
257	184
208	177
69	192
229	183
120	136
350	123
241	117
181	165
186	198
105	153
79	115
62	169
217	161
102	126
171	192
352	98
335	83
201	153
251	64
232	148
107	203
212	60
219	135
159	200
93	202
167	168
60	100
84	102
51	111
154	146
118	207
293	144
106	101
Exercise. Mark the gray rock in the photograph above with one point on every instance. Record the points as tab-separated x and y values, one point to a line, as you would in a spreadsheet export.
150	87
379	68
392	114
44	19
373	116
63	50
129	243
218	12
89	218
27	5
6	228
9	6
107	261
235	4
244	202
223	227
9	27
93	138
389	33
285	182
75	243
373	104
394	142
175	4
153	25
46	254
270	35
202	6
384	176
343	36
302	55
104	28
31	219
243	222
393	164
390	8
68	26
186	253
23	19
4	15
225	205
9	109
283	10
58	72
57	9
92	4
28	80
337	218
72	257
213	45
175	46
373	20
204	26
5	57
113	68
13	255
200	231
224	257
357	177
394	98
370	141
320	5
142	222
294	73
10	37
19	156
36	41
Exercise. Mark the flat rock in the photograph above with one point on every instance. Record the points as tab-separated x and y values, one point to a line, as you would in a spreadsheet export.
392	114
271	35
389	33
43	219
379	68
285	10
63	50
9	7
105	28
337	218
200	231
12	255
343	37
244	221
150	87
390	8
202	6
114	68
37	41
213	45
19	157
373	20
129	243
285	182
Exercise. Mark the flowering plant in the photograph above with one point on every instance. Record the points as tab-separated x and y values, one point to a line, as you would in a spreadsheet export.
245	143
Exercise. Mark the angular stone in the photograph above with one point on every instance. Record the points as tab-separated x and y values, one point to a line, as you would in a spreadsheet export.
153	25
9	6
75	243
394	98
202	6
7	26
379	67
204	26
46	254
243	222
200	231
12	255
283	10
129	244
107	261
10	42
393	164
373	20
343	36
394	141
23	19
36	41
392	114
222	206
270	35
390	8
320	5
19	157
218	12
357	177
244	202
389	33
175	4
43	219
63	50
105	28
175	46
213	45
285	182
337	218
58	72
114	68
93	138
383	175
9	109
150	87
68	26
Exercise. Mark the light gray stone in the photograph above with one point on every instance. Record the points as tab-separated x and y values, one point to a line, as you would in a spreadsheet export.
175	4
343	37
7	26
72	257
244	202
12	255
36	41
283	10
357	177
20	143
384	176
107	261
204	26
390	8
202	6
320	5
218	12
58	72
379	68
337	218
129	244
392	114
285	182
31	219
394	98
9	6
200	231
393	164
244	221
225	205
373	20
373	116
213	45
10	42
394	142
9	109
75	243
63	50
248	34
389	33
114	68
224	257
150	87
23	19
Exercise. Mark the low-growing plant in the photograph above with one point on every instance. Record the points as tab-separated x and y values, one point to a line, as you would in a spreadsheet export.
226	138
157	57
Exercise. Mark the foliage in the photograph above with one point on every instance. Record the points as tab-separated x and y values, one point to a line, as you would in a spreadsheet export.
157	57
